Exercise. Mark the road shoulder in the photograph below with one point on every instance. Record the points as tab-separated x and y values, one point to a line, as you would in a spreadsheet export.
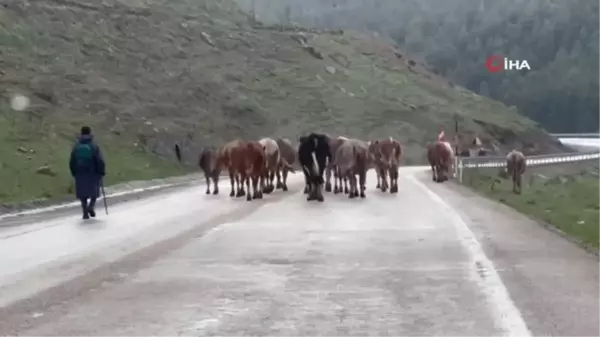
544	273
33	212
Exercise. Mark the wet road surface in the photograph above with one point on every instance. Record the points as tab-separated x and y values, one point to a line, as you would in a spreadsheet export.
432	260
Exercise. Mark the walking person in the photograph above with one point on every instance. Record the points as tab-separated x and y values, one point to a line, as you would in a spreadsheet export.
87	168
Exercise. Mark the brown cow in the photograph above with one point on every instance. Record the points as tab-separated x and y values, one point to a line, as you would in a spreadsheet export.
441	158
271	150
516	164
386	154
351	159
210	164
248	161
226	159
334	144
431	158
287	158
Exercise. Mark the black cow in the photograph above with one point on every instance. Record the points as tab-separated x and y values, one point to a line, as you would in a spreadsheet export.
210	163
313	155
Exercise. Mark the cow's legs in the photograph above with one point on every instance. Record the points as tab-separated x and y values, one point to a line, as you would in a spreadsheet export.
266	187
346	190
272	180
319	187
353	193
328	178
240	179
362	176
394	180
312	192
319	194
433	177
255	187
232	180
261	182
383	175
284	176
377	171
215	179
336	187
278	175
306	181
246	181
517	183
207	178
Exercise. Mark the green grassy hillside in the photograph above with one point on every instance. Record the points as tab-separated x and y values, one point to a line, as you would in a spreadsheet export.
147	74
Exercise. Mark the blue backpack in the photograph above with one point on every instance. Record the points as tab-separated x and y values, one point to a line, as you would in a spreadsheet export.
84	156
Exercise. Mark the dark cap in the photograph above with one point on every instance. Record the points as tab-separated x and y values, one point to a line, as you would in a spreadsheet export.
86	130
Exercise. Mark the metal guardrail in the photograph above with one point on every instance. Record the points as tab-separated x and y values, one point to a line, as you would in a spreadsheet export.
576	135
463	163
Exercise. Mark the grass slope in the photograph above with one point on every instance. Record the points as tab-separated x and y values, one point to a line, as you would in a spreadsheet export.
567	199
147	74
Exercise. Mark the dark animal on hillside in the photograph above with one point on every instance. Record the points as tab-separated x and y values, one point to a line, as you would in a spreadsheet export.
313	155
287	158
386	153
178	152
516	164
209	162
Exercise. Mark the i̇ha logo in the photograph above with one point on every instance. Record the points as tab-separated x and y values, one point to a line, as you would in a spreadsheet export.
496	63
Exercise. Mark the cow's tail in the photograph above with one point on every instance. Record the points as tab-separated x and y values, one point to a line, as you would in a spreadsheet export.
202	159
315	162
392	158
355	154
266	156
287	165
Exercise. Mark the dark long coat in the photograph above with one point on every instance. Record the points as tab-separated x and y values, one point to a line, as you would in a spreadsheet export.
87	181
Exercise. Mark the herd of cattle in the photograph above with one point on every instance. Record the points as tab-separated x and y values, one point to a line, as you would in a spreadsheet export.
253	166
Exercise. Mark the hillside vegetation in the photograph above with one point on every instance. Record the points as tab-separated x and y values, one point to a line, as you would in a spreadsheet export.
148	74
565	197
558	38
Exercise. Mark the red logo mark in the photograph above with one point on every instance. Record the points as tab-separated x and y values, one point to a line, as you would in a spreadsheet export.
494	63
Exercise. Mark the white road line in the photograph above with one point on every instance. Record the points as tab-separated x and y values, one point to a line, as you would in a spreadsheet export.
75	203
507	315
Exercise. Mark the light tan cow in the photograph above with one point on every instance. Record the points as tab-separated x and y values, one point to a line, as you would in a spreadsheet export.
352	159
271	150
516	164
441	158
287	158
334	144
386	154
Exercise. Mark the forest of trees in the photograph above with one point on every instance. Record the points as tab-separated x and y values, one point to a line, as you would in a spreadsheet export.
558	38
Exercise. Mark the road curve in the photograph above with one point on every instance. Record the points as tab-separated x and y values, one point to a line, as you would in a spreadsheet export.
435	259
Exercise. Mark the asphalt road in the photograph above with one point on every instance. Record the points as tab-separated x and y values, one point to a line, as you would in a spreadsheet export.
432	260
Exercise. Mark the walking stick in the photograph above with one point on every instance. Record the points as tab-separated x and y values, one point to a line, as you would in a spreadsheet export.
104	196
